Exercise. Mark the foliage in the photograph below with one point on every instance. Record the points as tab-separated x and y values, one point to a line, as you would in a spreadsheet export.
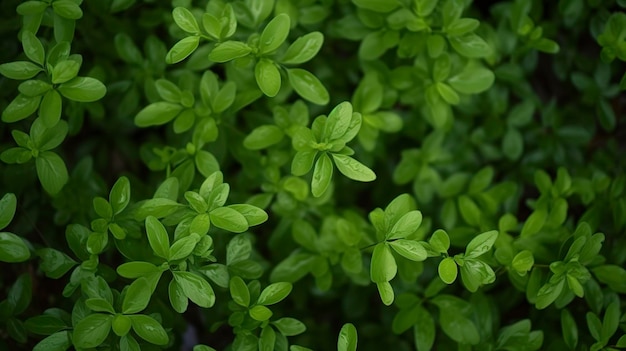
312	174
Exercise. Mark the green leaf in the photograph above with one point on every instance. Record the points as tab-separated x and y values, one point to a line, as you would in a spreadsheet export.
440	241
338	122
267	77
254	215
67	9
448	270
458	327
183	247
149	329
263	136
353	169
322	175
121	325
51	172
612	275
178	299
383	267
293	268
303	162
196	288
470	46
548	293
348	338
45	324
185	20
267	341
302	139
289	326
8	205
274	34
59	341
274	293
513	144
229	50
137	296
308	86
54	263
33	48
65	71
126	49
50	108
12	248
260	313
611	320
473	79
92	330
406	225
475	273
410	249
461	26
21	107
133	270
157	113
182	49
83	89
303	49
229	219
19	295
47	138
382	6
481	243
158	237
239	291
523	262
534	222
385	290
569	329
119	197
99	305
424	330
20	70
34	87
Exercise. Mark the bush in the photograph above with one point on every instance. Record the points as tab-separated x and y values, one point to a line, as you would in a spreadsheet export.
264	174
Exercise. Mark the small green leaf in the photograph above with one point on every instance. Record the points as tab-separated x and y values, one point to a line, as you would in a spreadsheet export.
263	136
386	293
182	49
178	299
8	205
21	107
424	330
267	77
239	291
83	89
274	293
137	297
470	46
289	326
410	249
473	79
274	34
50	108
92	330
481	244
149	329
322	175
67	9
448	270
119	197
183	247
157	113
33	48
534	222
267	341
229	50
51	171
57	341
307	86
196	288
229	219
254	215
133	270
260	313
513	144
20	70
440	241
523	262
406	225
185	20
12	248
348	338
303	162
569	329
65	71
121	325
383	267
353	169
158	237
303	49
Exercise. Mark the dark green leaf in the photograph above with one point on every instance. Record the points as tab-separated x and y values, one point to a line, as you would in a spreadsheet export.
21	107
54	263
239	291
322	175
20	70
8	205
158	237
92	330
59	341
196	288
137	296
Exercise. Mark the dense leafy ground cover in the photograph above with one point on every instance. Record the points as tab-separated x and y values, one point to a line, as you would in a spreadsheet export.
312	174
